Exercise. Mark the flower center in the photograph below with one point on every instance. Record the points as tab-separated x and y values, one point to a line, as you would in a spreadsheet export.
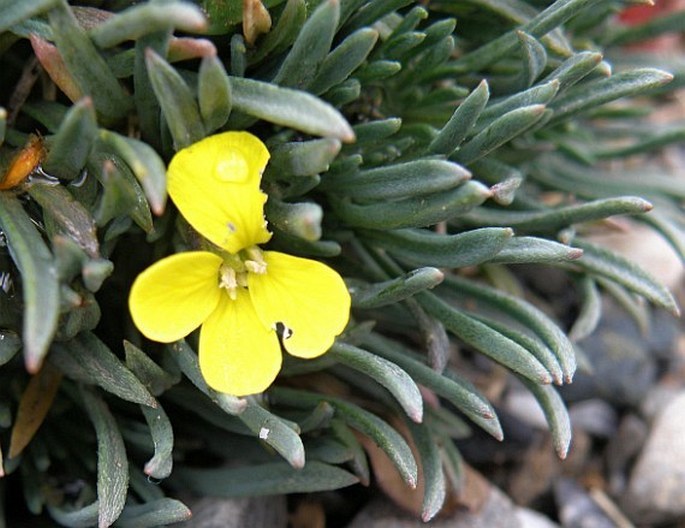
233	272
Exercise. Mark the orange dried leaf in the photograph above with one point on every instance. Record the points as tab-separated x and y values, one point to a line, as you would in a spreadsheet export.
33	407
23	163
256	20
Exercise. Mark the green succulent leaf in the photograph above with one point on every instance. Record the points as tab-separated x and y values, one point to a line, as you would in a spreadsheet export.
86	65
112	460
275	478
139	20
39	274
392	377
287	107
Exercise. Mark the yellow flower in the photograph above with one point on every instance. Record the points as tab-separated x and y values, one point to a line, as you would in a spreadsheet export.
240	292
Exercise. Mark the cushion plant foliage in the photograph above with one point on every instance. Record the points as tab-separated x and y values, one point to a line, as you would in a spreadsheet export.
424	152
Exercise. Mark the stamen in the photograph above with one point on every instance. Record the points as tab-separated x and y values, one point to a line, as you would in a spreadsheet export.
228	280
255	262
255	267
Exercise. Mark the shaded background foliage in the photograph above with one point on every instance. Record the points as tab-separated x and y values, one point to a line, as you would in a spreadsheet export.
436	155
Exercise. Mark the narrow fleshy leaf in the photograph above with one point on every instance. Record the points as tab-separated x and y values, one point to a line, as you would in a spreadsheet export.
155	379
395	290
417	211
301	220
486	340
541	24
139	20
551	221
310	48
359	462
603	262
160	465
15	12
434	337
400	180
71	145
387	438
525	313
379	70
520	250
371	12
81	518
392	377
302	158
501	130
39	280
275	478
121	194
590	310
177	101
534	57
160	512
35	402
275	432
555	413
344	93
435	487
86	65
574	69
287	107
624	84
540	94
73	219
86	358
145	163
427	248
458	391
464	117
377	130
535	346
214	93
453	465
340	63
112	460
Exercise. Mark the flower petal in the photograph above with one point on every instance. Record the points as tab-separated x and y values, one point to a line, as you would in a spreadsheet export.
215	185
238	354
175	295
307	297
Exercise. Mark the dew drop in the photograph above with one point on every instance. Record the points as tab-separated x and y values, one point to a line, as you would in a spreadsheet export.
232	167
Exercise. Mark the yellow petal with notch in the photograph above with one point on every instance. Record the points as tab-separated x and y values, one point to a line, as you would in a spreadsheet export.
238	354
215	185
175	295
307	297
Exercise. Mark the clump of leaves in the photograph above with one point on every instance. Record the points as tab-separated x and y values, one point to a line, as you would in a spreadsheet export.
422	159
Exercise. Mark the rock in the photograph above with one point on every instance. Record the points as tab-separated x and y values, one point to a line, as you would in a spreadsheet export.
656	488
532	519
254	512
622	448
645	247
624	369
496	512
576	507
596	417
